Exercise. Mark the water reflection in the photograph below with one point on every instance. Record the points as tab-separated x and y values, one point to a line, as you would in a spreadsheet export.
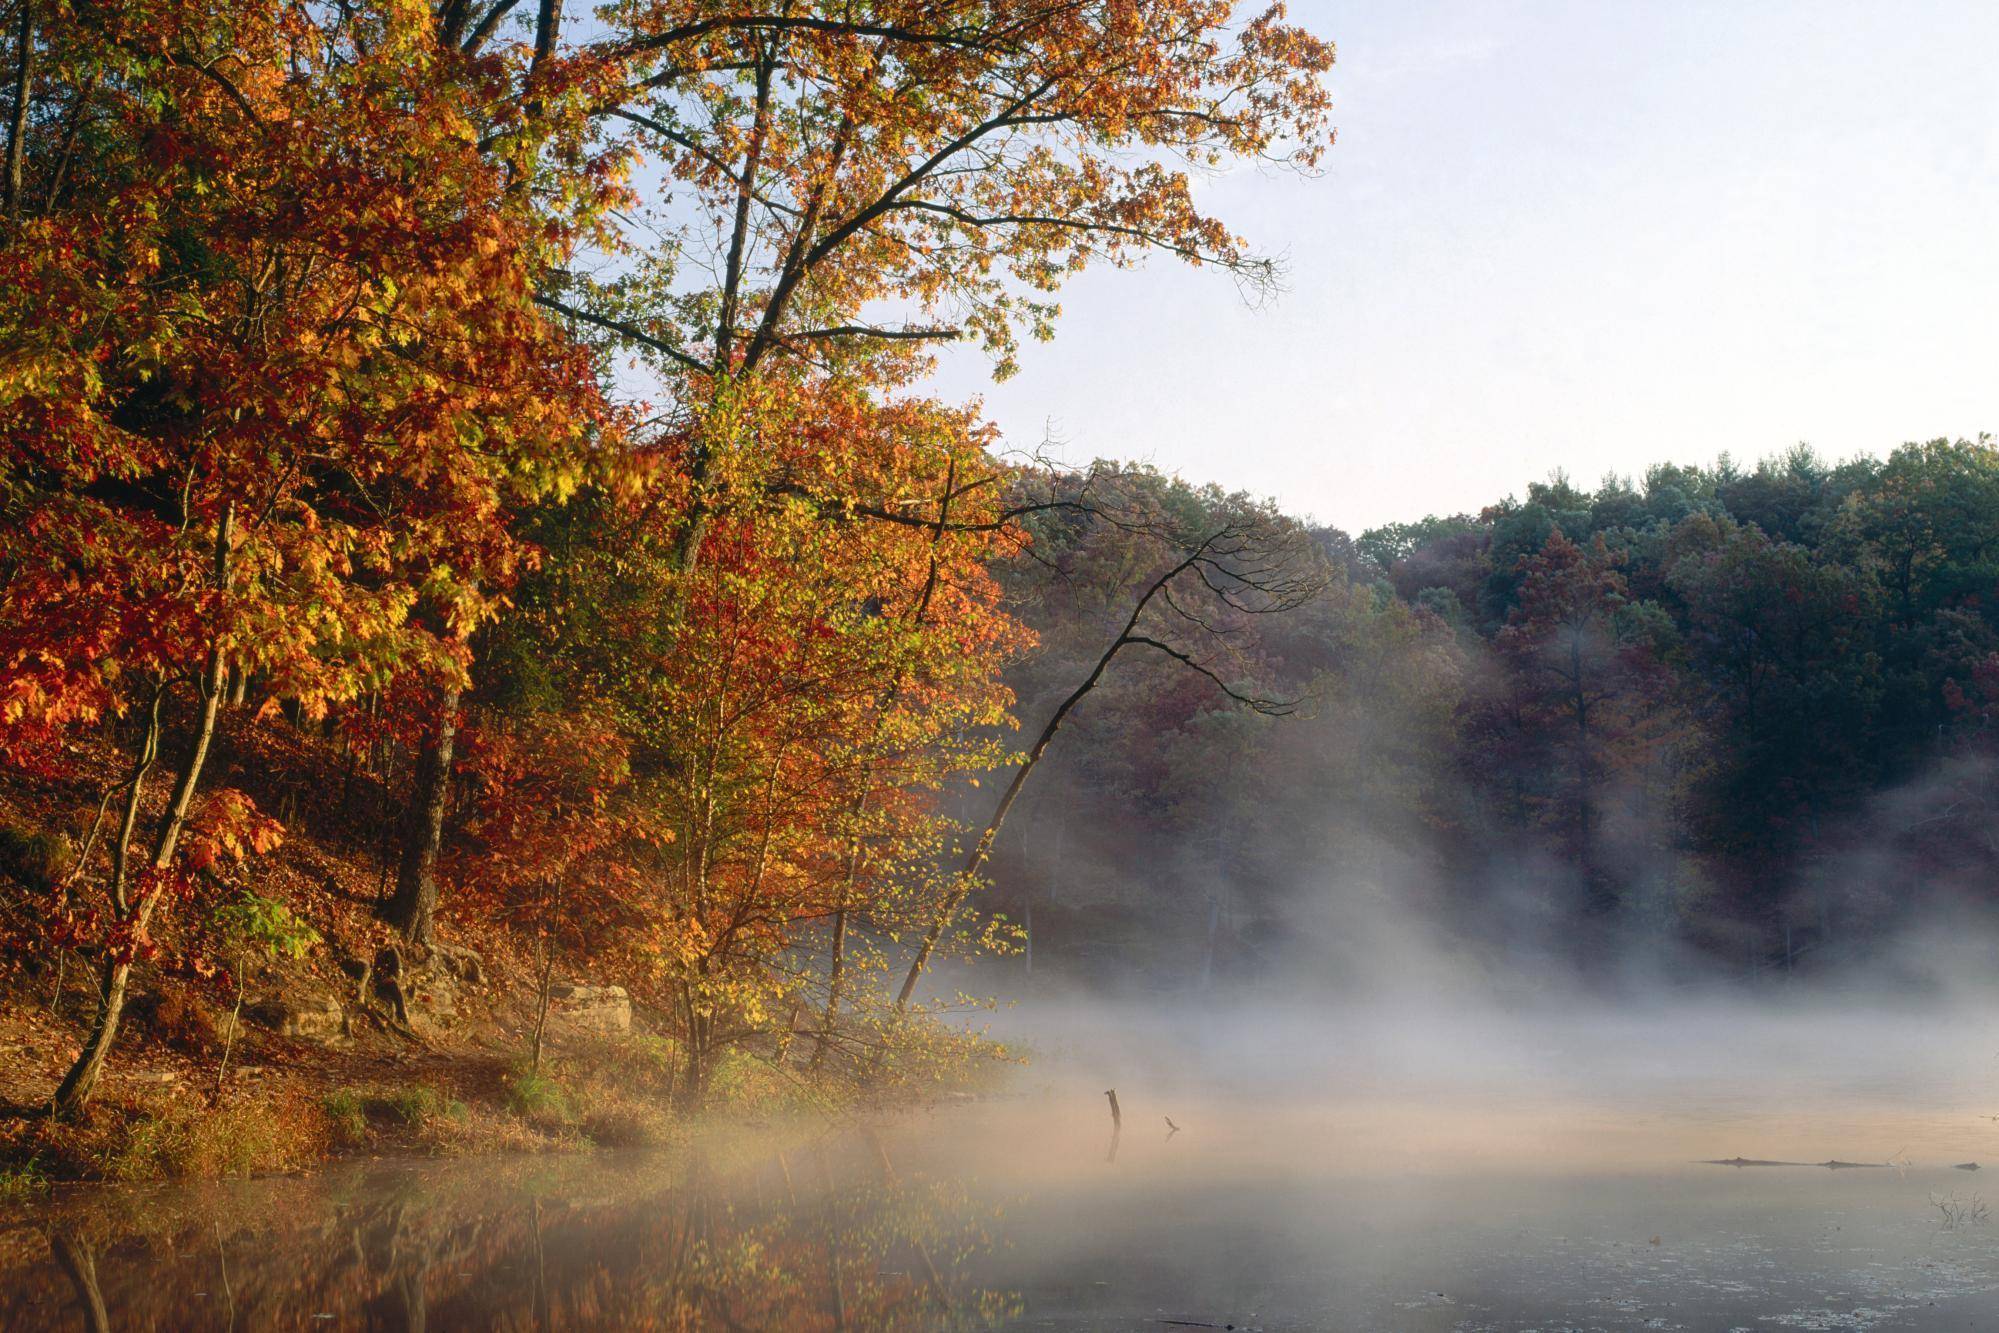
824	1235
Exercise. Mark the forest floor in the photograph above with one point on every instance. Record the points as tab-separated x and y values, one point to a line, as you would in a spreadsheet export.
455	1079
168	1106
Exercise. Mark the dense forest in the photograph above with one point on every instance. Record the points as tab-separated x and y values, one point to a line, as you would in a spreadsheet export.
1712	722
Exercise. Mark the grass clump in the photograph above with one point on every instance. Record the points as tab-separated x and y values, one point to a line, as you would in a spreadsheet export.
235	1139
23	1182
346	1117
176	1017
536	1097
625	1124
745	1080
415	1106
35	858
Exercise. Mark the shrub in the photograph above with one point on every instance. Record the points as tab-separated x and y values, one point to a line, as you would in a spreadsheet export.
346	1117
536	1096
177	1018
654	1060
35	858
742	1079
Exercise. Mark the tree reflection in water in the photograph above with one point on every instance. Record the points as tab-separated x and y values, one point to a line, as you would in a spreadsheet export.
826	1235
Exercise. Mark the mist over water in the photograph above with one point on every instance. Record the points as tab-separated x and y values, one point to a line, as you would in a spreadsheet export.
1533	1153
1390	1126
1571	1084
1427	1159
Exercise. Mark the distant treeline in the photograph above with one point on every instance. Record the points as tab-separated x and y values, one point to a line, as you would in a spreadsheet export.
1715	715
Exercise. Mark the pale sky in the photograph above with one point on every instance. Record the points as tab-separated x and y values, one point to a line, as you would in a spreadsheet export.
1588	236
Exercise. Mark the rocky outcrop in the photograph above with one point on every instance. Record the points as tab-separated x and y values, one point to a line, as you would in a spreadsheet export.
466	965
577	1007
310	1017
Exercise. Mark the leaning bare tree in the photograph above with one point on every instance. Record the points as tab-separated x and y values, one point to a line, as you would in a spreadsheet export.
1207	581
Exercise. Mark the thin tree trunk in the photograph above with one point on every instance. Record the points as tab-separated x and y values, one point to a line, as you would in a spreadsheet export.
836	977
53	192
229	1037
541	1007
836	972
686	555
694	1086
982	850
79	1265
81	1080
411	909
17	131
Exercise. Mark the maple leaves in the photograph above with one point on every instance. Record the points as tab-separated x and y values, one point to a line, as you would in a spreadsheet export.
296	289
273	381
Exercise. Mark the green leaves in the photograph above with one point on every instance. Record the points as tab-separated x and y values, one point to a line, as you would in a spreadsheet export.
251	922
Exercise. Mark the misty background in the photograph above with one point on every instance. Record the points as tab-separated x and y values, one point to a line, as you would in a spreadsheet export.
1708	728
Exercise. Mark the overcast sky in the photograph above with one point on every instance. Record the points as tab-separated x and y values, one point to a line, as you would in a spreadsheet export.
1588	236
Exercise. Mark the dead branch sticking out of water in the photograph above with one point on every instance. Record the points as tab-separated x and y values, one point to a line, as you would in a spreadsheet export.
1957	1213
1834	1165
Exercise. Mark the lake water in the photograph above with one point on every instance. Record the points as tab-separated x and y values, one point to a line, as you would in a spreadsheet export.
1461	1174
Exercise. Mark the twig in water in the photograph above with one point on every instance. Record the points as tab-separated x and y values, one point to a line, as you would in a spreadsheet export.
1958	1213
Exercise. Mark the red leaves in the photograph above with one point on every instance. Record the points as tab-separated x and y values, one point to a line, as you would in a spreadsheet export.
228	829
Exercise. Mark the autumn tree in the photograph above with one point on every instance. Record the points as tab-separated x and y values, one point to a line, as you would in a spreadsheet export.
840	193
1587	687
272	373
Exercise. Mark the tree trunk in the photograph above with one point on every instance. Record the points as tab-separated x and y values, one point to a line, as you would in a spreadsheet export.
415	900
693	1090
541	1007
836	971
79	1265
17	131
81	1080
836	977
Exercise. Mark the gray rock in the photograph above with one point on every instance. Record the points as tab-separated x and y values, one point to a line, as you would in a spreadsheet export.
312	1017
574	1005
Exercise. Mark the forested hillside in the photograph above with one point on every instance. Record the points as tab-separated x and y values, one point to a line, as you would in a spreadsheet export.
467	489
1717	719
